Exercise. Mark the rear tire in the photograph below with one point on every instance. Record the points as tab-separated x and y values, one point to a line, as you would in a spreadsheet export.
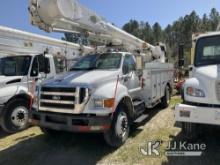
120	128
165	100
15	116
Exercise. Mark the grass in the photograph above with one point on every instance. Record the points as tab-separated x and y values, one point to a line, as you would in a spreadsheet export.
175	100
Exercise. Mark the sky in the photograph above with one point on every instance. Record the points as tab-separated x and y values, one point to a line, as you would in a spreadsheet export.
14	13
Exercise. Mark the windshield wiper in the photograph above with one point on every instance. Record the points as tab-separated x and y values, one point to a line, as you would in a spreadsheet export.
73	69
76	69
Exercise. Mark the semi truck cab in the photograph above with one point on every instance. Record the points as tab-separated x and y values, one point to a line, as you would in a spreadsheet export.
18	76
25	60
201	92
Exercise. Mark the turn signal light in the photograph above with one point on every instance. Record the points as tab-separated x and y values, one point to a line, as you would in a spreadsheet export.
109	103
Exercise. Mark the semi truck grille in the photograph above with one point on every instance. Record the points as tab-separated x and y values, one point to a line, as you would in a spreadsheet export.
63	100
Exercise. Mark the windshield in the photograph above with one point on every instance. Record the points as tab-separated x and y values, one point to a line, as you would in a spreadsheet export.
208	51
98	61
14	65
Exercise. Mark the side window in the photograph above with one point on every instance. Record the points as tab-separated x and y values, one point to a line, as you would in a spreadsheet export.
40	65
129	64
34	69
10	67
132	63
47	65
41	62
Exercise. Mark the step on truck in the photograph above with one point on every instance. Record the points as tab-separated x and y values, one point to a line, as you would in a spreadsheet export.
201	96
25	60
105	91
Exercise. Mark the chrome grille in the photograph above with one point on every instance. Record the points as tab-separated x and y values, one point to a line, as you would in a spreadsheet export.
63	100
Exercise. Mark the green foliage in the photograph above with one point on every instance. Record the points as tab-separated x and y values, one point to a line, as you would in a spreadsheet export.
178	32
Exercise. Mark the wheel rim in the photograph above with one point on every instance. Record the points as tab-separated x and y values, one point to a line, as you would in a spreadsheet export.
19	116
122	125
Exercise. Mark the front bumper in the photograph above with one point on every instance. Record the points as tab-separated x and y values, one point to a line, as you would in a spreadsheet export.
71	123
197	114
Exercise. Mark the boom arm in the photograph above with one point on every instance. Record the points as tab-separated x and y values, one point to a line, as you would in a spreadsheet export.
71	16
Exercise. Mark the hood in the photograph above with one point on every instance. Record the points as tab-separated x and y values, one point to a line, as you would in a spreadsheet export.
87	78
206	78
210	71
7	79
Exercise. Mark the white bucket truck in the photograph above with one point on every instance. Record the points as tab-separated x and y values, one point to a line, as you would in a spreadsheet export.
25	59
106	91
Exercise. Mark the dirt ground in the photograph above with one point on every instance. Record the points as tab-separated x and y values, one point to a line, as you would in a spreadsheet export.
32	147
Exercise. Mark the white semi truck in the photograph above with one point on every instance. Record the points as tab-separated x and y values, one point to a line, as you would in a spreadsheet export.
105	91
25	59
201	92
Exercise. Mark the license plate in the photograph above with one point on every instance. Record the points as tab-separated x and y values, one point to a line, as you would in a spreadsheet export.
185	114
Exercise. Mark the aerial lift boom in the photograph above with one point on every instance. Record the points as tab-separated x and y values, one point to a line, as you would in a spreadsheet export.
71	16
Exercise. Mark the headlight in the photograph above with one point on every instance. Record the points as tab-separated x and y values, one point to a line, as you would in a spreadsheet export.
104	103
195	92
98	103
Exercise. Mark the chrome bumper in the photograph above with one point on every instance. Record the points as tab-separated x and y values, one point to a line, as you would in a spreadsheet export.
197	114
72	123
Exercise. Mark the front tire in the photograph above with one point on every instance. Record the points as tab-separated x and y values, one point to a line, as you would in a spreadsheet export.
120	128
15	116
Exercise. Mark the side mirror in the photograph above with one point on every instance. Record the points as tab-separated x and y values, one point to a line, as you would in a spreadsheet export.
125	69
190	67
47	66
139	63
34	72
139	66
181	62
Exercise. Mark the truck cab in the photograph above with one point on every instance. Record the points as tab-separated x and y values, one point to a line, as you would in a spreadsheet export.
103	92
18	75
201	92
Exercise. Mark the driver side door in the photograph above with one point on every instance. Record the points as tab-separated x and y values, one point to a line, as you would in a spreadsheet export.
38	70
131	79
